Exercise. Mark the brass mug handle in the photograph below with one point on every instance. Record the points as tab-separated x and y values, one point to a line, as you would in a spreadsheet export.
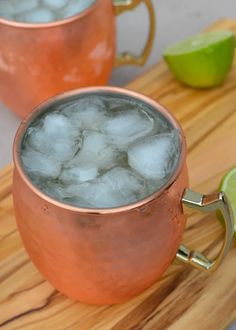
126	57
207	203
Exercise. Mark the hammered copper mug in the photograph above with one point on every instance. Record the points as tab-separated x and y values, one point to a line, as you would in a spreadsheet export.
38	61
106	256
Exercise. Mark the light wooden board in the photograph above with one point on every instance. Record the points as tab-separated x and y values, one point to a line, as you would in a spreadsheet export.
183	298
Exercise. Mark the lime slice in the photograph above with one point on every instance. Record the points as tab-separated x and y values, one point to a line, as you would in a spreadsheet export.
228	185
203	60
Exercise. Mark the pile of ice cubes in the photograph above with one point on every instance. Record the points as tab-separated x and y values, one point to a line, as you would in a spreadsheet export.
41	11
100	152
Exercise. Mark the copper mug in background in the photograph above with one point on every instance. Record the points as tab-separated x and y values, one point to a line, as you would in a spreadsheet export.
107	256
38	61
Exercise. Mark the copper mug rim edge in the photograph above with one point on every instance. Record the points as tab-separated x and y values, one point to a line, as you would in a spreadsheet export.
115	90
25	25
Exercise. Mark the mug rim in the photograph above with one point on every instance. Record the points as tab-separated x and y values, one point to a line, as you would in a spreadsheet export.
25	123
56	23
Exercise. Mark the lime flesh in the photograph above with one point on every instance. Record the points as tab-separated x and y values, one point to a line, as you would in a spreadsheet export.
228	186
204	60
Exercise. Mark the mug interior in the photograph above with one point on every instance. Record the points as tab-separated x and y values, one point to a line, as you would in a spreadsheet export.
118	93
54	23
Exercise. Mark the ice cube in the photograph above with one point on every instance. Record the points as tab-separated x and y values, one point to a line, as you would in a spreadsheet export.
155	157
63	150
58	126
22	6
95	149
97	194
80	173
94	142
53	188
88	113
56	138
77	201
6	8
125	126
55	4
41	165
38	15
117	187
76	7
131	186
118	103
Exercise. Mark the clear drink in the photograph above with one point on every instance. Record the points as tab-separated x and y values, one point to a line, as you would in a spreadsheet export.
41	11
100	151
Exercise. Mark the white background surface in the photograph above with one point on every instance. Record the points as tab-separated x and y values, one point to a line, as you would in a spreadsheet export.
176	19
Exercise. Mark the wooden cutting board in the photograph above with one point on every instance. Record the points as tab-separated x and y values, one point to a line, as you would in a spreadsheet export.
184	299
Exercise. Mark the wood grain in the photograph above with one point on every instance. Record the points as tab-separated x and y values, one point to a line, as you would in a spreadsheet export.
184	298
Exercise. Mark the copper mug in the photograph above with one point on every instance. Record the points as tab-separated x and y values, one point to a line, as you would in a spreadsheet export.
38	61
107	256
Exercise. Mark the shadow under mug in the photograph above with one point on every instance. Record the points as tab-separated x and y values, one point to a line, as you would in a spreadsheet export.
38	61
107	256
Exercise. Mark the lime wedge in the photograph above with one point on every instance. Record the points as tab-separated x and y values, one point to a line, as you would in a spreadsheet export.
228	185
203	60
